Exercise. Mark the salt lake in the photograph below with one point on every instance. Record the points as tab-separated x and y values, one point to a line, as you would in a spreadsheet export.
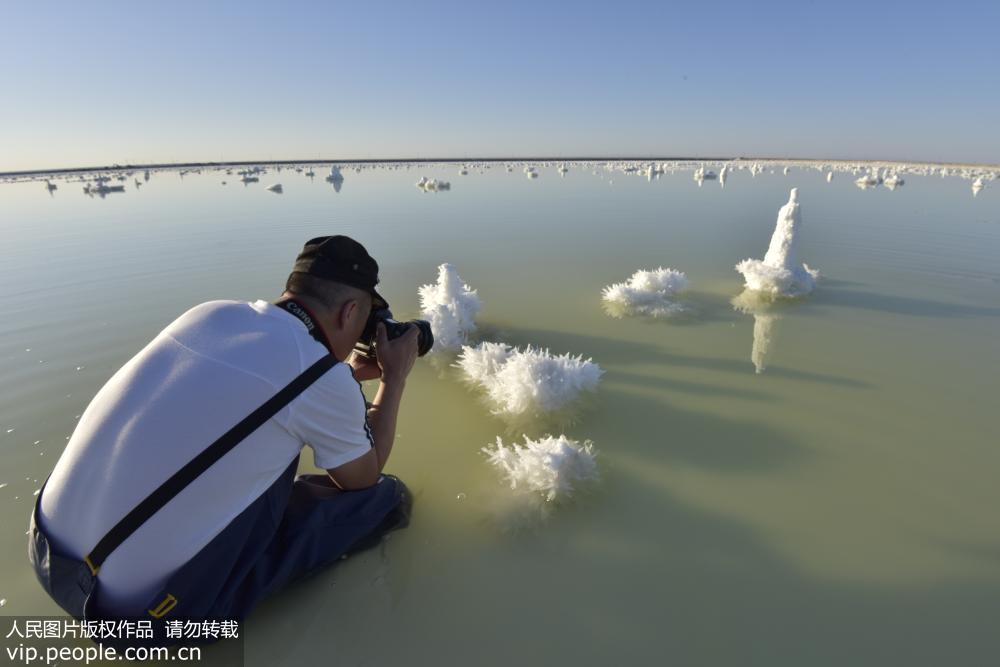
808	483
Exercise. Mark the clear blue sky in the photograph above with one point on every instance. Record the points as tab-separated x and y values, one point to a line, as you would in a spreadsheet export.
100	82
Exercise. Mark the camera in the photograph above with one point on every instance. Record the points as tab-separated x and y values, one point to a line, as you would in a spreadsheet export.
393	329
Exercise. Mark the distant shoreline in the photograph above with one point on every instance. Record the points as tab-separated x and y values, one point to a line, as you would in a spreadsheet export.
468	160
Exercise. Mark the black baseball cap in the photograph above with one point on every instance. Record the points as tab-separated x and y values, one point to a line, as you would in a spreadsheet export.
343	260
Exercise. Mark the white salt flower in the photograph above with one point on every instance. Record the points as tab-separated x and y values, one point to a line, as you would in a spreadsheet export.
533	380
646	293
552	467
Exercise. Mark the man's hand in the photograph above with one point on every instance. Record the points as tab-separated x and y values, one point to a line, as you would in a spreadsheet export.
364	368
396	356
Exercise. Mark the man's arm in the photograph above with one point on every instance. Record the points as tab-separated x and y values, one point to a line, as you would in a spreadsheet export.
382	417
395	359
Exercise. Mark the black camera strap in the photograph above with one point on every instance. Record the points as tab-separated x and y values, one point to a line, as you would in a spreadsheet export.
299	310
203	461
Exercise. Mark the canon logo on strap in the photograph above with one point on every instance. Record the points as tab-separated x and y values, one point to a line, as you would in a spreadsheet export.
300	312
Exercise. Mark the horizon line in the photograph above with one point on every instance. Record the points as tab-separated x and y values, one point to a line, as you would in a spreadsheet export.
446	160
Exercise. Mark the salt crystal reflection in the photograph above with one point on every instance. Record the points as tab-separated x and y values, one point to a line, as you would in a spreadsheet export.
765	317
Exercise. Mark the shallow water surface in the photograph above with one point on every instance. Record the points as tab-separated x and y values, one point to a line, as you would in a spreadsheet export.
839	506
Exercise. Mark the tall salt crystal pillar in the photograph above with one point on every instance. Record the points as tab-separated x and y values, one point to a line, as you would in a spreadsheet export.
448	281
781	252
779	274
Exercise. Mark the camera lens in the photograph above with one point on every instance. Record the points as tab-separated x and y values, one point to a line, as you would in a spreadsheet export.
394	329
425	339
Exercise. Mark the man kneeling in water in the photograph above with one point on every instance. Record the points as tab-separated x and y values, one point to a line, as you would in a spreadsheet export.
176	495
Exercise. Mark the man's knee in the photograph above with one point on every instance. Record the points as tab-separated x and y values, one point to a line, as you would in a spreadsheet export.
405	506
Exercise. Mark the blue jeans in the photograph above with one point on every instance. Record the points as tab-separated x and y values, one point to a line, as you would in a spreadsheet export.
295	528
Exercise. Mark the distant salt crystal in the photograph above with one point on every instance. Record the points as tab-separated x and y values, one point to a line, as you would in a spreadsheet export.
433	185
779	274
701	175
892	181
450	306
552	467
519	382
3	602
646	293
869	180
335	177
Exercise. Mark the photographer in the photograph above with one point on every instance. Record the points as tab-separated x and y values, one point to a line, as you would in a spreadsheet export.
159	506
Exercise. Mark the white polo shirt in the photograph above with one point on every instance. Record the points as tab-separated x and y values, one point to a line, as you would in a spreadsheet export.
200	376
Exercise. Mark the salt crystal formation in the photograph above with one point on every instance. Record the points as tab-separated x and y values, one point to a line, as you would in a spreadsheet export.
552	467
335	178
869	180
892	181
701	175
779	274
451	307
432	184
522	382
646	293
